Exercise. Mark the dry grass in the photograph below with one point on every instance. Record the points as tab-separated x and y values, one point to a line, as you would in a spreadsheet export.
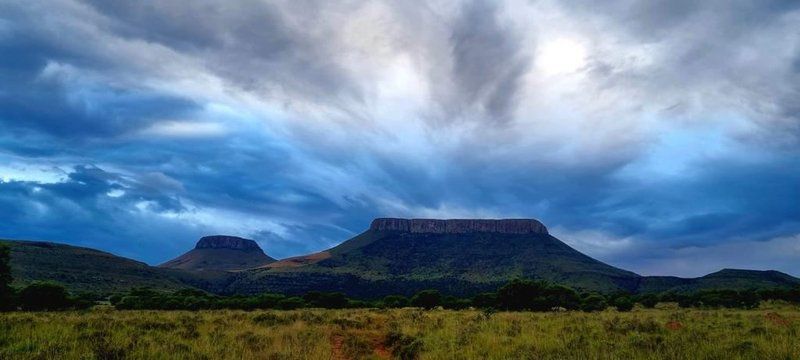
772	332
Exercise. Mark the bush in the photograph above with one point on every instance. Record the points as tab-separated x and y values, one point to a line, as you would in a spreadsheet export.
115	299
452	302
405	347
334	300
291	303
485	300
85	300
648	300
791	295
427	299
44	296
594	302
623	303
6	292
395	301
269	301
522	294
727	299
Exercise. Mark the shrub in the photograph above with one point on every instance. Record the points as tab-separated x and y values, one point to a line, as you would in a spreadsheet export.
623	303
44	296
649	300
452	302
485	300
395	301
594	302
427	299
115	299
522	294
334	300
269	301
291	303
6	292
405	347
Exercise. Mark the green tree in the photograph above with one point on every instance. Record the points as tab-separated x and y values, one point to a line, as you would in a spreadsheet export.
395	301
623	303
523	294
519	294
291	303
594	302
485	300
334	300
648	300
269	300
452	302
44	296
5	278
427	299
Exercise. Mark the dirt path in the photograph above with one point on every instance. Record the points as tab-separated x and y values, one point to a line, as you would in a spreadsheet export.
381	351
336	348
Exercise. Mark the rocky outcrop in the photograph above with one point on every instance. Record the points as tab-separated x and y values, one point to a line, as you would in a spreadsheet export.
227	242
460	226
221	252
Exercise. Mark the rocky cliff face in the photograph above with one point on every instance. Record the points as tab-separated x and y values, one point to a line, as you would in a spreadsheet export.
227	242
459	226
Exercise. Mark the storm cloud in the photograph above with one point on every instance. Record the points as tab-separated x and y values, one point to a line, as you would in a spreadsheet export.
651	135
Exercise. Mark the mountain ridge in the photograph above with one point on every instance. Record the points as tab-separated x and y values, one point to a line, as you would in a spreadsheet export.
457	256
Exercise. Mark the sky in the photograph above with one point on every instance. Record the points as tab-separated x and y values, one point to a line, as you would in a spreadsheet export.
659	136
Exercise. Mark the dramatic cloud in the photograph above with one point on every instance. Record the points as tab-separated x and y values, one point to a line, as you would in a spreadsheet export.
649	134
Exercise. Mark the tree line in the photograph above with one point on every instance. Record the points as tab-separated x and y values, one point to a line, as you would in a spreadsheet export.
516	295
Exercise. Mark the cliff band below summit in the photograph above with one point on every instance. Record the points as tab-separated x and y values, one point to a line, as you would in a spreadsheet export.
459	226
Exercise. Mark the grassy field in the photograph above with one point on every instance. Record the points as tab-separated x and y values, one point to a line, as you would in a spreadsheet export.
771	332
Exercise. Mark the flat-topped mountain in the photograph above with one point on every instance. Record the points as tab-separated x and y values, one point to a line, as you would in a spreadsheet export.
221	252
464	257
461	256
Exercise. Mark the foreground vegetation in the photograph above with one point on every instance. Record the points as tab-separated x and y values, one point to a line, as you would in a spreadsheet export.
667	332
522	320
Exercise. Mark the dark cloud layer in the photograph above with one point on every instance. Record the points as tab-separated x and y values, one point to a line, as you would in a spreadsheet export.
487	62
660	136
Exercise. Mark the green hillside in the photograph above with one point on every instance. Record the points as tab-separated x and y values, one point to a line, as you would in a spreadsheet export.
397	256
380	262
730	279
84	269
464	263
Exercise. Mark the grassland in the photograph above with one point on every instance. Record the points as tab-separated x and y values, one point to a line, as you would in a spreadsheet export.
771	332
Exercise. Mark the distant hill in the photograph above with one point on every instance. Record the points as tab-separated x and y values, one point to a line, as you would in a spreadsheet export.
221	253
732	279
83	269
394	256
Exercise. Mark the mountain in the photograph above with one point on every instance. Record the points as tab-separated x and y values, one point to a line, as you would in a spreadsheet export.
461	256
732	279
221	253
84	269
394	256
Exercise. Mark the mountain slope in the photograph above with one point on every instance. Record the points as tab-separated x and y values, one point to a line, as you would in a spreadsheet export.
83	269
731	279
464	256
221	253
